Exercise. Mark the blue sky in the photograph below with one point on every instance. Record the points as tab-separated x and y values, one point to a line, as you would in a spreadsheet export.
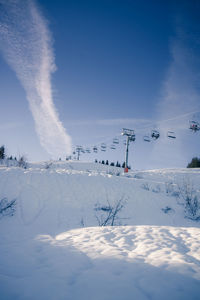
118	64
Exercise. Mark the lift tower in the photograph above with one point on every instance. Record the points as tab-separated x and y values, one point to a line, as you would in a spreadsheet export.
130	134
79	149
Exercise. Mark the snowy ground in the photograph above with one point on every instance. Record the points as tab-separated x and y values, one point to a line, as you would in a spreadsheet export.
52	247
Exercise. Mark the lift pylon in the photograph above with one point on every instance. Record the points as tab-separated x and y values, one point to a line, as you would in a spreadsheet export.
130	137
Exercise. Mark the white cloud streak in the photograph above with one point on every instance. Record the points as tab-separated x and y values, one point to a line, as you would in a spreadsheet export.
26	45
112	122
180	93
181	88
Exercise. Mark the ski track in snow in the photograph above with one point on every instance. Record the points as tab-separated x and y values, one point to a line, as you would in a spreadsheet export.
157	256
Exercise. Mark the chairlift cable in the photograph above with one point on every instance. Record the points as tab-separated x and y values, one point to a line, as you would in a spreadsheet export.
110	139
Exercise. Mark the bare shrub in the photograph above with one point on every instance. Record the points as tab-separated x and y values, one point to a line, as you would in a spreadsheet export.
157	189
7	208
138	176
48	165
145	186
191	199
113	172
108	214
117	174
172	189
167	209
22	162
169	187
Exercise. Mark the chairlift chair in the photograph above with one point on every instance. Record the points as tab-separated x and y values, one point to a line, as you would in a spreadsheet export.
132	138
113	147
155	134
171	134
146	138
95	149
103	147
127	132
79	148
130	133
115	141
194	126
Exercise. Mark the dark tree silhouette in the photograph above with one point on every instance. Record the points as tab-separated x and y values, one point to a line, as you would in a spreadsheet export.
195	163
2	152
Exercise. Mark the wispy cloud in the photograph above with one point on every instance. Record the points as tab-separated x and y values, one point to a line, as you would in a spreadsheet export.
26	45
179	101
181	88
136	122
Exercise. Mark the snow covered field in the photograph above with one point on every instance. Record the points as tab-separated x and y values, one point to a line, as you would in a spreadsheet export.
52	247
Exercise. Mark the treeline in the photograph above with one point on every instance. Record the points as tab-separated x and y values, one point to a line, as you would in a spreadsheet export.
3	154
12	161
112	164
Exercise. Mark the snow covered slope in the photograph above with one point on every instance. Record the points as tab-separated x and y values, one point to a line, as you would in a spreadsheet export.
53	248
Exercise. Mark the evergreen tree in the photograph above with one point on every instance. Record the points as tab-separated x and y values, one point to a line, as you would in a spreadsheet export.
2	152
107	162
118	165
195	163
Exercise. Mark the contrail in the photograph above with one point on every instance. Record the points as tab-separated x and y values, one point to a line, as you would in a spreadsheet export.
26	45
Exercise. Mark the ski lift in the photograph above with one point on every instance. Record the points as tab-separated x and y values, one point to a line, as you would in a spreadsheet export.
113	147
115	141
129	133
146	138
103	147
155	134
194	126
171	134
79	148
132	138
95	149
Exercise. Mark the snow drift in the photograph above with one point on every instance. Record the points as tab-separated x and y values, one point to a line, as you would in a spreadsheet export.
53	248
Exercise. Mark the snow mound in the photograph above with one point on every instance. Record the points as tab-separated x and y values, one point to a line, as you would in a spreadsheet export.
50	248
127	262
